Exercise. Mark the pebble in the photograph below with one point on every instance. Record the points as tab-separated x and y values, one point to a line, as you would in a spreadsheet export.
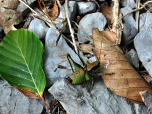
24	9
128	3
55	55
128	33
129	18
86	8
71	14
142	43
144	21
132	58
38	27
88	22
14	102
103	101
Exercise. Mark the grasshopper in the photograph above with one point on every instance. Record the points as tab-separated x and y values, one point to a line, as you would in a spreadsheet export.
82	73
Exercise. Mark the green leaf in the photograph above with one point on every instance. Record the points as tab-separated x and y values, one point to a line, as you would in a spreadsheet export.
20	62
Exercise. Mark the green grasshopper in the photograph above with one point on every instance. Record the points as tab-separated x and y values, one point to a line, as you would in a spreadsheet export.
81	74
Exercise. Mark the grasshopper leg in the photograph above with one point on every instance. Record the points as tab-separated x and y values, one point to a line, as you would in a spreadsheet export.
92	84
84	78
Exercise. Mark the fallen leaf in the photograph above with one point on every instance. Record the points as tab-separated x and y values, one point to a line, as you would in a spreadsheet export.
9	18
54	12
147	99
107	12
20	64
86	48
125	81
9	4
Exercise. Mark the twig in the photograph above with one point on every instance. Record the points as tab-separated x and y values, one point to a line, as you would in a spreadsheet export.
137	14
71	31
64	25
43	17
137	9
117	24
88	37
61	9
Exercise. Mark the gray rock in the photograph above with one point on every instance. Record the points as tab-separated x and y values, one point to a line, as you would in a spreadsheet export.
145	22
14	102
142	42
128	3
71	13
141	109
150	10
88	22
38	27
132	58
55	55
129	18
128	33
24	9
86	7
76	100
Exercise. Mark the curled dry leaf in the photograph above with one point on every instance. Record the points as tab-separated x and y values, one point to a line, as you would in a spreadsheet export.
29	93
86	48
107	12
147	99
8	16
54	12
9	4
125	81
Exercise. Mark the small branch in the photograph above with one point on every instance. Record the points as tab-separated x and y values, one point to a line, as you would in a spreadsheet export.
143	6
71	31
61	9
87	37
137	14
43	17
116	21
64	25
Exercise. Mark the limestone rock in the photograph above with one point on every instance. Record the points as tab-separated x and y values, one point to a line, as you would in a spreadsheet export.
129	18
76	100
142	42
14	102
145	22
55	55
86	7
38	27
88	22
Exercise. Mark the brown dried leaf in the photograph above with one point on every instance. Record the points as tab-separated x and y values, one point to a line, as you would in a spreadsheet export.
29	93
147	99
86	48
54	12
125	81
9	18
9	4
116	21
107	12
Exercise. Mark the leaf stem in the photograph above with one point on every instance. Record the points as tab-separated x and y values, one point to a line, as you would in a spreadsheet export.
45	103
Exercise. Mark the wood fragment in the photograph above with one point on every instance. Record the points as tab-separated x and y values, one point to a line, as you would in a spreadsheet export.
117	25
71	30
137	14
